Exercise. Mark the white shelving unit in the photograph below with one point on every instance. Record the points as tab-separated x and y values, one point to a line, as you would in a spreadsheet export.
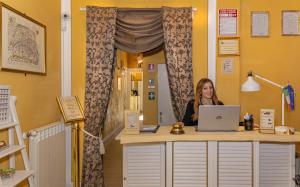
14	127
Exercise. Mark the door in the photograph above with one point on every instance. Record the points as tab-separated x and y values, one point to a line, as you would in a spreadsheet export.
165	111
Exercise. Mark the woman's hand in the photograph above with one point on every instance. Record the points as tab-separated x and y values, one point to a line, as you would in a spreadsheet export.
194	117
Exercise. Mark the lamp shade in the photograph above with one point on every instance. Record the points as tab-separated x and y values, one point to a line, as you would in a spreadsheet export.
250	85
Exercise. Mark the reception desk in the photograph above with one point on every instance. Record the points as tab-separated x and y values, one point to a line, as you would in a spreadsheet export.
208	159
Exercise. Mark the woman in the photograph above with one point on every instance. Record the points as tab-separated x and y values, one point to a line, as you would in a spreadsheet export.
205	95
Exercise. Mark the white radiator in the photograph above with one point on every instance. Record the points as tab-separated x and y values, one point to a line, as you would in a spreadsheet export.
47	155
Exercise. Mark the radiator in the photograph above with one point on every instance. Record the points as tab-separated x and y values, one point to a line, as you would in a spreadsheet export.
47	155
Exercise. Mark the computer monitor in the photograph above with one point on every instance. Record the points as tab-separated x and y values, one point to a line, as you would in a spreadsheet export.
218	118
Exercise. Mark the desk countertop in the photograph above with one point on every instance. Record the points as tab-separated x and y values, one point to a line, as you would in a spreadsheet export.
163	135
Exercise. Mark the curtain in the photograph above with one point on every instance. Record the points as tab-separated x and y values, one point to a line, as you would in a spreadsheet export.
177	28
101	26
139	30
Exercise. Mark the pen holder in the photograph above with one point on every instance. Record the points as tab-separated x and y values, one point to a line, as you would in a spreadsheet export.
248	124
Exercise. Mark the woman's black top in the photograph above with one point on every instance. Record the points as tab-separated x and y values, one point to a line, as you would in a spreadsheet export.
187	119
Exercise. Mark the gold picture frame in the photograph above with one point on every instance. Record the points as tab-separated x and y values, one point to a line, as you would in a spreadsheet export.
70	108
21	52
261	34
294	31
229	46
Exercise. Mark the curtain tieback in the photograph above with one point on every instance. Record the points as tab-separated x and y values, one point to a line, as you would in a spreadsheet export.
102	149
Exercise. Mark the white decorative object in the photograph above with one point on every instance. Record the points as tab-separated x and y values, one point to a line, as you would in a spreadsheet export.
14	126
4	104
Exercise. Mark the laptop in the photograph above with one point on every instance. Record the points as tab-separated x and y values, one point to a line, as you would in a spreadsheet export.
218	118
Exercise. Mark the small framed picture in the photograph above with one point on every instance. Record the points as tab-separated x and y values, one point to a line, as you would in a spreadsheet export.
151	95
132	123
151	84
151	67
70	108
267	121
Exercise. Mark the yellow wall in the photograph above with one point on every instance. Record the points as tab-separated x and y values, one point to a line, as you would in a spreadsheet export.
275	57
228	84
36	103
79	35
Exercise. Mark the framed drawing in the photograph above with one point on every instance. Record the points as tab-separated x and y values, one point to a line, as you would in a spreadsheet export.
259	24
23	42
290	22
70	108
229	46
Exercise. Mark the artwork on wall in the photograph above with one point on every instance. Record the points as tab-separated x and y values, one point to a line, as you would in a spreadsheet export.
290	22
259	24
23	42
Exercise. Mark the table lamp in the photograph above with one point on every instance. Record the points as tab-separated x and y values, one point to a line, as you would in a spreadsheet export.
250	85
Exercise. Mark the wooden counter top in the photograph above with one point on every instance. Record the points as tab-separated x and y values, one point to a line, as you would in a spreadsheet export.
163	135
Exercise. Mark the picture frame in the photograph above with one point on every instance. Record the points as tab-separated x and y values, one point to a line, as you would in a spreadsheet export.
267	121
229	46
70	108
132	122
260	24
290	23
23	42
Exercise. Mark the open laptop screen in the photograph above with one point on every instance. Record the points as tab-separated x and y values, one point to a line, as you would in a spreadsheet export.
218	117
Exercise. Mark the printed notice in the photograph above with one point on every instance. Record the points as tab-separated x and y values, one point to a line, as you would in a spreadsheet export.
227	65
229	46
290	22
260	24
70	108
227	22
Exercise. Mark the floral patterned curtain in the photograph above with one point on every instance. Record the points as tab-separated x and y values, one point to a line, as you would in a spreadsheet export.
177	27
101	26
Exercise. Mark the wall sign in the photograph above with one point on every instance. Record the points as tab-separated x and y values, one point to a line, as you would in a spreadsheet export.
227	66
227	22
229	46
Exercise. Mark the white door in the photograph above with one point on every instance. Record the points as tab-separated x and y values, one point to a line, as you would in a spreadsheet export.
165	111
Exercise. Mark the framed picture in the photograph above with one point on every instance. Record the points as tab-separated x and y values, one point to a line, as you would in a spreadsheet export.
70	108
259	24
290	22
229	46
132	123
267	124
23	42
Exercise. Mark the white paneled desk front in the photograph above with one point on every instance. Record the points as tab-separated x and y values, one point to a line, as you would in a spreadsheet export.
208	159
